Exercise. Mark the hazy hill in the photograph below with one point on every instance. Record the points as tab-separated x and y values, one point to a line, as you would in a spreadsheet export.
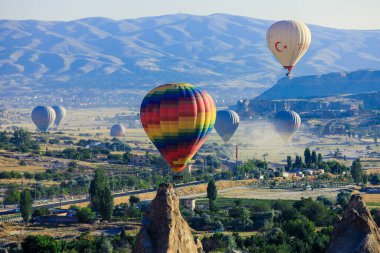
222	52
324	85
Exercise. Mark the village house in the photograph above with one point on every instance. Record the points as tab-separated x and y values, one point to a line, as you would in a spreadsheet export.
188	203
138	160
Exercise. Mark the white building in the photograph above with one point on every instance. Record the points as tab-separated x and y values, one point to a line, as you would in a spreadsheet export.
188	203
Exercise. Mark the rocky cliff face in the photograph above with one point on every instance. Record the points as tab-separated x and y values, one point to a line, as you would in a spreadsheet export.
163	227
356	232
324	85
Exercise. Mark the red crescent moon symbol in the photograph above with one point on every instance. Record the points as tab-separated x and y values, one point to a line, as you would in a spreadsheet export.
276	46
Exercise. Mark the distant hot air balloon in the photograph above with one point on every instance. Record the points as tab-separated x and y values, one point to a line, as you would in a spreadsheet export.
117	130
226	123
43	117
287	123
60	114
288	40
177	118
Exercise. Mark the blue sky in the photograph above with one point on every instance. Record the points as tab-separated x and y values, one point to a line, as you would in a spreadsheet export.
351	14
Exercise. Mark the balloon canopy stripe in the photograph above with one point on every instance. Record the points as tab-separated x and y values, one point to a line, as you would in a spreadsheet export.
227	122
177	119
60	113
287	123
43	117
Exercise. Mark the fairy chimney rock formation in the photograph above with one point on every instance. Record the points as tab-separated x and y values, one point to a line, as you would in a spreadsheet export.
163	227
356	232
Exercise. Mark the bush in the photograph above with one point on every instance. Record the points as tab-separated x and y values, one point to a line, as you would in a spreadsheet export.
40	212
72	165
28	175
53	141
343	198
12	195
376	215
85	214
218	242
41	243
374	179
134	200
133	212
315	211
325	200
301	228
9	175
263	220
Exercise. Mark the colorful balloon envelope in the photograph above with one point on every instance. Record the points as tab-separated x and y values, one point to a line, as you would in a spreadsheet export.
226	123
288	40
287	123
177	118
43	117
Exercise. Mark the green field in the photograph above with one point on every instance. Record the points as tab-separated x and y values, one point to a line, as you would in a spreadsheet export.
228	202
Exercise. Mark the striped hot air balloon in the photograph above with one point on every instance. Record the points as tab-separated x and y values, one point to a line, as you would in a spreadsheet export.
43	117
60	113
287	123
177	118
117	130
288	40
226	123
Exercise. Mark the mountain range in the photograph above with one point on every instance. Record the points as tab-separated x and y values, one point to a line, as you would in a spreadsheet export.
225	54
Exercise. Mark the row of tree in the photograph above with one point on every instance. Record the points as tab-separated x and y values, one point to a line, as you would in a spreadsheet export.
19	140
311	158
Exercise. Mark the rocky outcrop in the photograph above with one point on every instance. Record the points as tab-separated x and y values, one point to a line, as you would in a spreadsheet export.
356	232
326	85
163	227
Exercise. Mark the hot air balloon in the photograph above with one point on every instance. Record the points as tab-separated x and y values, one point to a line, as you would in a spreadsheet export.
287	123
288	40
177	119
43	117
60	114
226	123
117	130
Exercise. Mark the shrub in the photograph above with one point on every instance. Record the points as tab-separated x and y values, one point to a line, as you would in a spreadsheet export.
85	214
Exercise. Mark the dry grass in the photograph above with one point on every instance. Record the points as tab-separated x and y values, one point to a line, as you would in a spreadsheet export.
372	171
12	164
17	232
373	198
21	181
202	234
182	191
255	193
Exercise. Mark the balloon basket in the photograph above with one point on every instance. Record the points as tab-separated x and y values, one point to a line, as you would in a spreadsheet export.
177	178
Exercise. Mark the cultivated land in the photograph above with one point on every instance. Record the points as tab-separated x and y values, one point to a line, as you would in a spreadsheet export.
255	139
255	193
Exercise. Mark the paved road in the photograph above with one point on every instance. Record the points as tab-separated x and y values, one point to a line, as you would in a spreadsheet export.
83	200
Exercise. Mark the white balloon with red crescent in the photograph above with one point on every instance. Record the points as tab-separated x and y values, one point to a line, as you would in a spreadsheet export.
288	40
